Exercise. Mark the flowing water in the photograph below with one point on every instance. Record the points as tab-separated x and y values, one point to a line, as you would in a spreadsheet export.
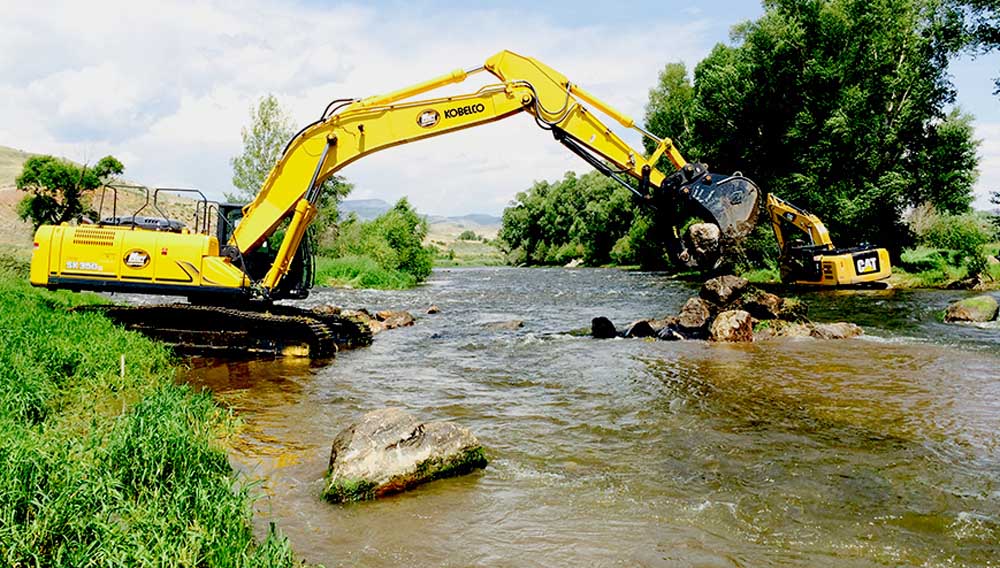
880	451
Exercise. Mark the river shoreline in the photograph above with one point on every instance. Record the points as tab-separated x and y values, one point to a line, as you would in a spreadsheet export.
637	452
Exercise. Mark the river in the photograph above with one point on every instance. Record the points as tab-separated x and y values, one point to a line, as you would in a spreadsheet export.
880	451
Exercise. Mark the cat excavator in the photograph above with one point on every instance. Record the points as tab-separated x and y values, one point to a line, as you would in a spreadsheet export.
231	276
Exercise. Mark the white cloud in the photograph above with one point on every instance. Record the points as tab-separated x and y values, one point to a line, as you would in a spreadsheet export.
166	86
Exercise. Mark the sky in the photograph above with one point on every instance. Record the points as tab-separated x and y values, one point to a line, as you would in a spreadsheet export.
167	86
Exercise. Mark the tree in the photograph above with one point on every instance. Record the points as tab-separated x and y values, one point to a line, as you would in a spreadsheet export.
838	106
669	106
575	218
263	143
394	240
57	189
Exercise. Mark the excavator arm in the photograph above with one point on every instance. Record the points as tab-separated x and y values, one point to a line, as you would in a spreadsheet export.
124	257
360	127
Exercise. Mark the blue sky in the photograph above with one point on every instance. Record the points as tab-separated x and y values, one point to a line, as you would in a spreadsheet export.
167	86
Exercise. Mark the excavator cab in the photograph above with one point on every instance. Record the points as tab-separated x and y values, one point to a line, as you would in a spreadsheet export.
256	263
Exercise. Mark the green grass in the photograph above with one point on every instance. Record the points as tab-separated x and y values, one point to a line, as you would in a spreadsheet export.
104	468
360	272
762	275
925	267
467	253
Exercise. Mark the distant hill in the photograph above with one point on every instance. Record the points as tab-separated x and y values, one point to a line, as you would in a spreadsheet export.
365	209
11	162
368	209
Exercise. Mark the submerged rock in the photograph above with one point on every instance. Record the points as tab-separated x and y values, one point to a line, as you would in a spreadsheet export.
641	328
723	290
433	309
840	330
772	329
389	450
977	309
603	328
512	325
732	326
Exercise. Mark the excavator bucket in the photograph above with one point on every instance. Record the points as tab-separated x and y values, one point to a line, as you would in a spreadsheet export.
731	202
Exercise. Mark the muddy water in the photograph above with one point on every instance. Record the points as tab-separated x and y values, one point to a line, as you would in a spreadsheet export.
871	452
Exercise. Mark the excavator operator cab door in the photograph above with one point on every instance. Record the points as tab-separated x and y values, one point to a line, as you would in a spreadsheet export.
255	264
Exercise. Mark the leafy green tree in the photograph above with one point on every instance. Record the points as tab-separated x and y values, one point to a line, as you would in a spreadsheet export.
468	235
945	164
836	105
668	110
575	218
394	240
264	141
57	189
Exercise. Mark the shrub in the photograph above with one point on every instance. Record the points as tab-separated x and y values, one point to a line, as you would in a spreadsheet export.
964	236
393	242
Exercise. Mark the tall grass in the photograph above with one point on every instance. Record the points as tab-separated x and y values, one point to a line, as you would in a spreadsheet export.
104	468
360	272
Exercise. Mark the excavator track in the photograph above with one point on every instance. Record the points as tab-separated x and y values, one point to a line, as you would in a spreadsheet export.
212	330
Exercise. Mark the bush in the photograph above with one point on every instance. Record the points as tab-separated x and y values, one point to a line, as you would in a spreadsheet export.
393	242
360	272
468	235
963	236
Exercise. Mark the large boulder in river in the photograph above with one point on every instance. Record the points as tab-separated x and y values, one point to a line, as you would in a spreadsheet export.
603	328
723	290
762	305
389	450
732	326
976	309
694	318
392	319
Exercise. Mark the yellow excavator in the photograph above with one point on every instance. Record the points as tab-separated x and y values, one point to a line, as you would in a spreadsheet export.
232	273
818	262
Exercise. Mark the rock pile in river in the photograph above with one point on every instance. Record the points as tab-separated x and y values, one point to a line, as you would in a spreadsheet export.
978	309
377	322
729	309
389	450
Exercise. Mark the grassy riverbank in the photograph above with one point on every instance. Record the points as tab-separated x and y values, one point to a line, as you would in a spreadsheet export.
920	267
360	272
104	466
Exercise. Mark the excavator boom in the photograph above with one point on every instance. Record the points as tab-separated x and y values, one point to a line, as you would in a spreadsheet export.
237	266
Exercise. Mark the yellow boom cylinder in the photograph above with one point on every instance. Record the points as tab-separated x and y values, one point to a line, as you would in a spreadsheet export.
456	76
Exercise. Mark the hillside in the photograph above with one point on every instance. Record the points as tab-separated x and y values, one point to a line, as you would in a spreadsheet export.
14	233
17	234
